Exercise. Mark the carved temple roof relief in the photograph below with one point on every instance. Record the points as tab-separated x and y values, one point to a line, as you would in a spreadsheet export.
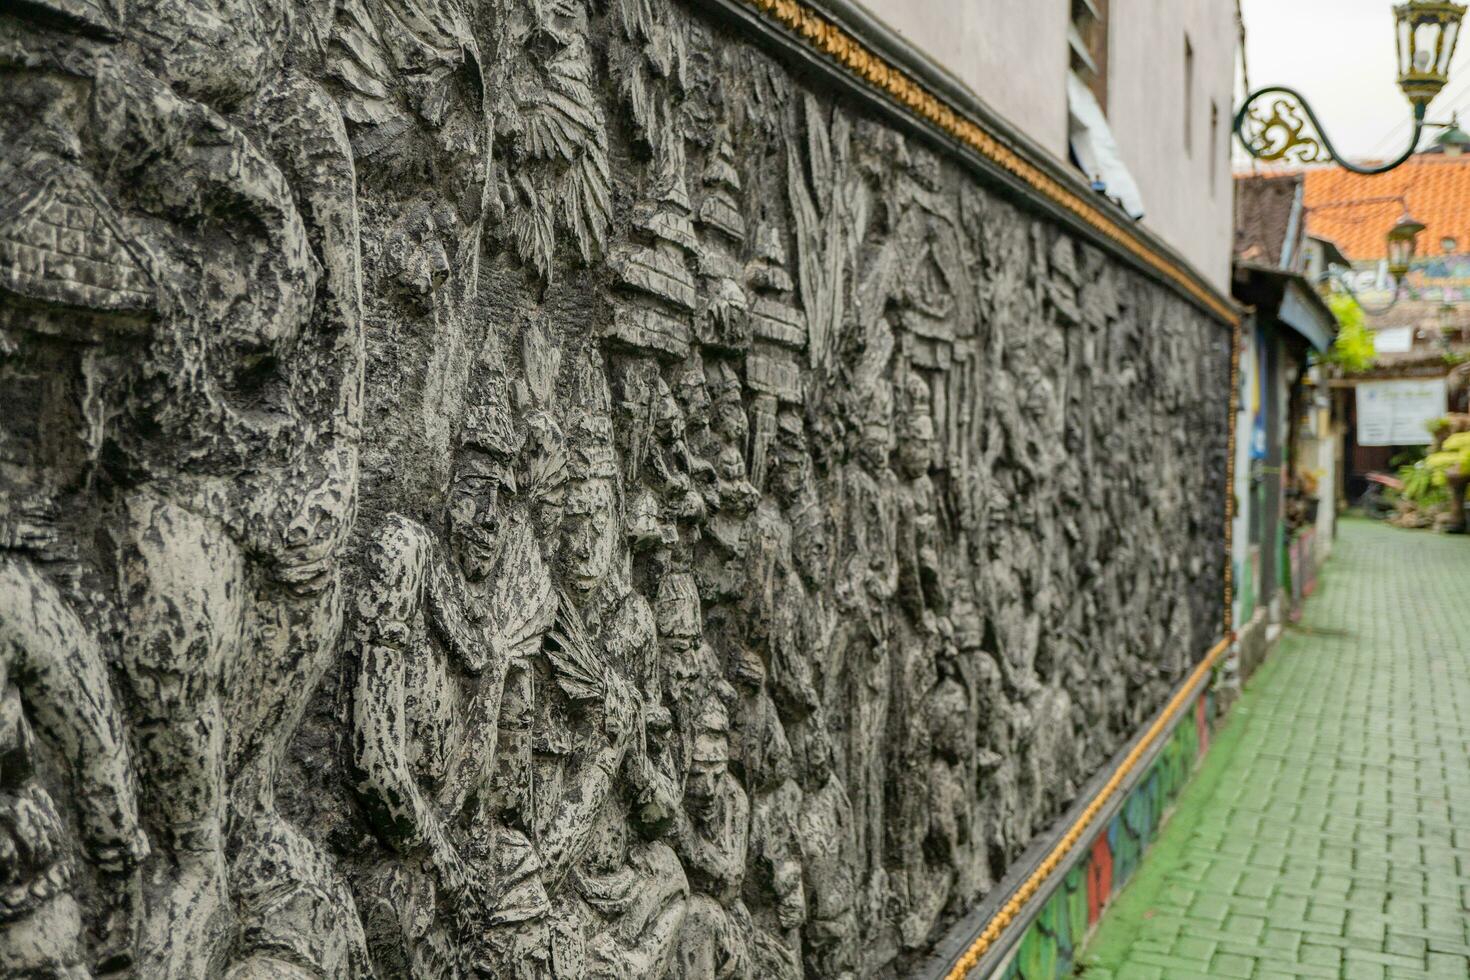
540	489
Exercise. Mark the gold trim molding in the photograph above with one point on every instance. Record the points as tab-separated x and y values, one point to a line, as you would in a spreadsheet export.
828	39
872	69
1017	903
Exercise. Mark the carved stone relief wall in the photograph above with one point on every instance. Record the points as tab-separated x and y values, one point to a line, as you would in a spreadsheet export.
526	489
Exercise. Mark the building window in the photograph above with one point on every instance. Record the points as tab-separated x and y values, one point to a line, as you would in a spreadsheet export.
1214	145
1087	41
1188	96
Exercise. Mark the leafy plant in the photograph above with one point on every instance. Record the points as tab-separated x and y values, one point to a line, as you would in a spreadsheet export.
1353	350
1407	456
1424	485
1459	442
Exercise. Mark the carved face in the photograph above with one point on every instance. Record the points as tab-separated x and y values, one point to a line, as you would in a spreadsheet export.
789	477
679	620
588	536
818	749
731	422
668	418
694	397
809	541
731	463
474	510
873	445
707	769
916	448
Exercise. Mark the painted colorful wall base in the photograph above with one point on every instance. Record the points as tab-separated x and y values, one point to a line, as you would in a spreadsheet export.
1048	949
1303	569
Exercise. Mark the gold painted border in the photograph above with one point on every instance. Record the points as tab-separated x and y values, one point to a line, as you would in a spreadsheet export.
827	38
1012	908
834	42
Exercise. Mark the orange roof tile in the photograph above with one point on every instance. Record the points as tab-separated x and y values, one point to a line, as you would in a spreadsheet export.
1355	212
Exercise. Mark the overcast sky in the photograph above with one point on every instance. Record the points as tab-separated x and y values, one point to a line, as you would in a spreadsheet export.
1340	55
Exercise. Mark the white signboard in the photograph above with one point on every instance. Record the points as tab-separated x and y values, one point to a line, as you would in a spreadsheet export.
1393	340
1398	413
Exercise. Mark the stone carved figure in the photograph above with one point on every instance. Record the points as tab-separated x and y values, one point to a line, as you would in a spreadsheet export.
734	508
56	688
441	711
238	263
711	838
550	130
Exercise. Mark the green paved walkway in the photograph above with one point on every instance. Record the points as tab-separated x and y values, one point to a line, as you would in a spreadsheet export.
1328	833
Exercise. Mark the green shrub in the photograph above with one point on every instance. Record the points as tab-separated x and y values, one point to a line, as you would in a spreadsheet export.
1459	442
1353	349
1424	485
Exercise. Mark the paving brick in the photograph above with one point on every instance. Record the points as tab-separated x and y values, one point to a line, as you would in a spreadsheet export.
1331	836
1232	965
1445	965
1329	956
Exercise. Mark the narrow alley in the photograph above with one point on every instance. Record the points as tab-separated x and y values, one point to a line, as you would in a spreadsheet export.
1328	831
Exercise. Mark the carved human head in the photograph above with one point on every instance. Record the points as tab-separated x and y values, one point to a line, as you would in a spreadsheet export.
809	538
588	537
793	463
484	468
589	526
589	533
875	426
668	417
728	416
710	758
692	391
916	428
677	613
813	745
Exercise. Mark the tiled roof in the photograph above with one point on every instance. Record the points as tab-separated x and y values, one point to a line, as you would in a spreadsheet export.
1356	211
1263	207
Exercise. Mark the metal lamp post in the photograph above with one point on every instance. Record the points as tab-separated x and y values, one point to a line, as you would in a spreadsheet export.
1277	124
1403	243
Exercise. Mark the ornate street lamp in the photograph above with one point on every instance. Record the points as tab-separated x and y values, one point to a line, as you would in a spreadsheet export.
1403	242
1449	319
1284	127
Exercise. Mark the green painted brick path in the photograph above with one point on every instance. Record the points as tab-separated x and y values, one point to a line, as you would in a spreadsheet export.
1328	831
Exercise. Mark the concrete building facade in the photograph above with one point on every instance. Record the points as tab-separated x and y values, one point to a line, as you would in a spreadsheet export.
1167	93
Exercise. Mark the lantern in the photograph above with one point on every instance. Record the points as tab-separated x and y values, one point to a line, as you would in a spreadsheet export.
1449	322
1426	31
1403	238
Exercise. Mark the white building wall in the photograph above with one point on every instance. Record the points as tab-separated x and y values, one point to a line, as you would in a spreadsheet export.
1187	188
1010	53
1013	55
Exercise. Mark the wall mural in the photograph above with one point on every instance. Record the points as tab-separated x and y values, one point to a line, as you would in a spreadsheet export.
525	488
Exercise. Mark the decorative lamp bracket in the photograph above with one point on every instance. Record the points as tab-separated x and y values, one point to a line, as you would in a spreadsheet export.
1277	124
